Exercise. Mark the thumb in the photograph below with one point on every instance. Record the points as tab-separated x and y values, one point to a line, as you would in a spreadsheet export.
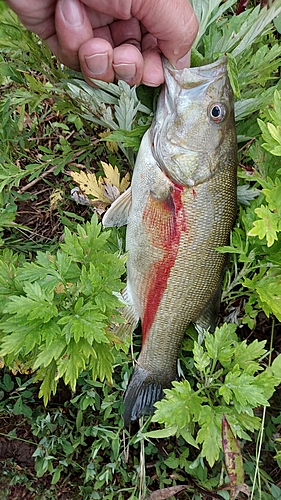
173	24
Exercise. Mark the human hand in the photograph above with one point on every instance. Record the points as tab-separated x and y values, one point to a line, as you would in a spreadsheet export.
113	39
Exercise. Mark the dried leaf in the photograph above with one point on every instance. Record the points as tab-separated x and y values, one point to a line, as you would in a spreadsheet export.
99	206
111	145
125	183
89	185
55	197
113	177
167	492
2	364
112	192
60	288
111	173
79	197
82	199
19	367
233	461
104	190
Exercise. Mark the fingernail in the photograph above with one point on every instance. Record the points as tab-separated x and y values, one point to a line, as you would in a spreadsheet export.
97	63
73	12
125	71
183	62
151	84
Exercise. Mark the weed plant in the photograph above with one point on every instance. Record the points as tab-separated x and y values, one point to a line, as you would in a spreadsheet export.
62	369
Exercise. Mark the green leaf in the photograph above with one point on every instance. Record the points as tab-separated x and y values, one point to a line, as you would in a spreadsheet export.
277	23
187	436
267	226
244	421
207	12
276	366
102	362
26	307
71	364
50	353
245	355
172	461
84	246
244	389
128	138
209	434
56	476
201	358
269	291
263	19
22	337
161	433
220	344
232	70
89	324
275	132
267	382
273	196
50	381
180	401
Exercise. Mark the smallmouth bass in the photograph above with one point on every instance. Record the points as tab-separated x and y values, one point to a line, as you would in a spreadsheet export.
180	207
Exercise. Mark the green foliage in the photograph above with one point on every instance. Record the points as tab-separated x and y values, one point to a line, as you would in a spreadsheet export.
228	383
58	311
255	242
16	396
271	131
254	54
116	107
80	438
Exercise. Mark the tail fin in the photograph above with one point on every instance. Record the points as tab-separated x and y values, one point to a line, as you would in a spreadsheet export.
142	392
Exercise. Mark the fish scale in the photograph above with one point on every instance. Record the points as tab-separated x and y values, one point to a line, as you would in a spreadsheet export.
182	207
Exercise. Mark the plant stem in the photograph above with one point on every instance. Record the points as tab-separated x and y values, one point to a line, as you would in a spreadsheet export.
260	436
17	438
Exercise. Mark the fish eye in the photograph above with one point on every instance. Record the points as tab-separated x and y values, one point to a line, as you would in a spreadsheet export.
217	112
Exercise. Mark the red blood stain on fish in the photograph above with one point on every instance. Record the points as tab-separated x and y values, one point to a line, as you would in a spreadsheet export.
165	221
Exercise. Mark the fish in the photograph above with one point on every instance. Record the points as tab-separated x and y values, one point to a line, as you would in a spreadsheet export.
180	207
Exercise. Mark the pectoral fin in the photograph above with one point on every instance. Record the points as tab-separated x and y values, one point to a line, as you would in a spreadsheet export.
117	215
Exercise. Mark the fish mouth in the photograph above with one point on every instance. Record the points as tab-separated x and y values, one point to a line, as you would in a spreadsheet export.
194	76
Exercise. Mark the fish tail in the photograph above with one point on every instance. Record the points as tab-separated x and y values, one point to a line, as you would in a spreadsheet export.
142	392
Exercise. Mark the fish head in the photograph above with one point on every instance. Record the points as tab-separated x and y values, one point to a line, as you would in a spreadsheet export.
193	122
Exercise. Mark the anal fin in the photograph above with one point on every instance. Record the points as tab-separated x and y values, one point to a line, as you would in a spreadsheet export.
209	316
129	314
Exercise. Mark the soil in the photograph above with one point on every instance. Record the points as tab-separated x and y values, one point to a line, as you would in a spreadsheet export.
16	461
43	223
